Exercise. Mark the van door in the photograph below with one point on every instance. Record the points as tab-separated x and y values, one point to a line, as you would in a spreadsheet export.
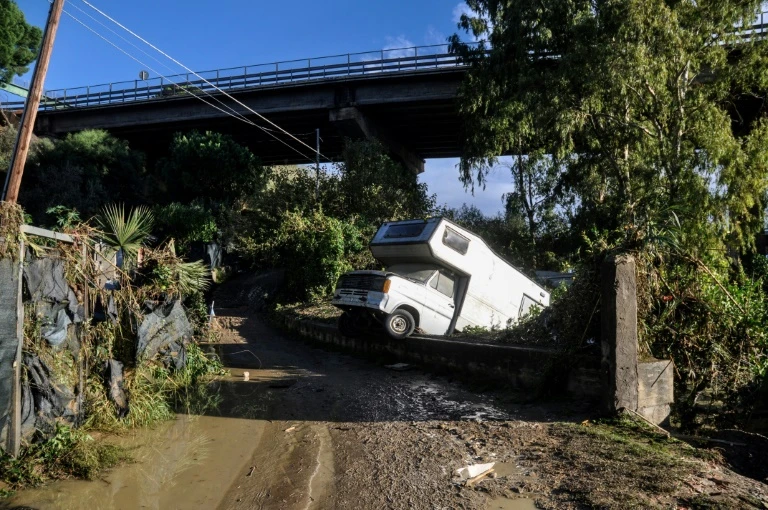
439	305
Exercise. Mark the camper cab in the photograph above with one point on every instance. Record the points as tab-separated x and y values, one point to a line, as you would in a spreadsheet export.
439	278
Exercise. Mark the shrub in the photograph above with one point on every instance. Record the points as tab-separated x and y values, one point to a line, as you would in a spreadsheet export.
311	249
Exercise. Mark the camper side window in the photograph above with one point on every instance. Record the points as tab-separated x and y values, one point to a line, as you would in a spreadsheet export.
526	305
443	283
456	241
407	230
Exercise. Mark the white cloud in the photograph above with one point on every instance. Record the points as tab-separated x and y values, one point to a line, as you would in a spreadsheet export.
398	47
460	9
442	178
434	36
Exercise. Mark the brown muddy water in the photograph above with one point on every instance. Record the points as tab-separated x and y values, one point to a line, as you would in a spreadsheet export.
502	503
186	463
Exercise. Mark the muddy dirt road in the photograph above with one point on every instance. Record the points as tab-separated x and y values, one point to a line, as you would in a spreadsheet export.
347	433
312	429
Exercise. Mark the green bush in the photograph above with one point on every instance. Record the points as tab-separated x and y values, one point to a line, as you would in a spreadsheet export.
83	171
712	325
311	249
185	223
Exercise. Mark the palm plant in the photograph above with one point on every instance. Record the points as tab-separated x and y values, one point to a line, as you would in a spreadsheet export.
125	233
192	277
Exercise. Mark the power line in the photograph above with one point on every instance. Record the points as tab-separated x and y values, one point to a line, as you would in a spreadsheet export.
200	77
236	114
143	64
166	66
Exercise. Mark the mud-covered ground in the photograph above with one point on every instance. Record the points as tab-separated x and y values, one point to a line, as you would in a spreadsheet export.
349	433
314	429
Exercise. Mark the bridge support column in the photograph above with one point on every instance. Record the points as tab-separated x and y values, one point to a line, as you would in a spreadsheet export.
351	122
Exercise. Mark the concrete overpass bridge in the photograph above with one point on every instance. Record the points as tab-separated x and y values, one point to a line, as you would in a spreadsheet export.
404	97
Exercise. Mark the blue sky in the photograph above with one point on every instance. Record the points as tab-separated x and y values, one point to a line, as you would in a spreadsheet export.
231	33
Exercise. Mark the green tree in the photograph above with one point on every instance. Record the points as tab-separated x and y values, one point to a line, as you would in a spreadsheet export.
83	171
210	167
637	99
375	187
186	224
19	41
538	210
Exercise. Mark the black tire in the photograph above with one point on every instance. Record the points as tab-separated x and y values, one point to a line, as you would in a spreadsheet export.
399	324
347	325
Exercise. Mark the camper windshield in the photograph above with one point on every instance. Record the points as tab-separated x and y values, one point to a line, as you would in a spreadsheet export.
420	272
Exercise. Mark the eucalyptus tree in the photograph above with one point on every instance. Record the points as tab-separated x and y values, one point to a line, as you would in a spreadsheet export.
647	105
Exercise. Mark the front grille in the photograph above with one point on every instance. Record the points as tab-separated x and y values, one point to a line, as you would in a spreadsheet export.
360	281
347	292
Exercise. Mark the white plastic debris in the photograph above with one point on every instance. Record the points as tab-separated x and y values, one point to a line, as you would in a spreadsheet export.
474	470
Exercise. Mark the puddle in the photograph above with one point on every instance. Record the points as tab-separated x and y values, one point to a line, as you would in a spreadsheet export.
432	402
502	503
506	469
186	463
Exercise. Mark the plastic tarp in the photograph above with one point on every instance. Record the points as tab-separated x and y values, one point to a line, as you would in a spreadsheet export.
53	401
56	332
45	282
9	342
115	387
164	326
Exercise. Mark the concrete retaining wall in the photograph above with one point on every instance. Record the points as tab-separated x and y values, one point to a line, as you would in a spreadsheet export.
524	368
520	367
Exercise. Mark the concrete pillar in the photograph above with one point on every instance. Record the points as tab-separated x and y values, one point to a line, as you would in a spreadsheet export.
619	333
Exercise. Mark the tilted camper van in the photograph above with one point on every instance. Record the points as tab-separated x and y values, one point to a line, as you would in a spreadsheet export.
439	277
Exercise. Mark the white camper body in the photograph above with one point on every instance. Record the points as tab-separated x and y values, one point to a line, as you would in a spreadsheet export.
442	276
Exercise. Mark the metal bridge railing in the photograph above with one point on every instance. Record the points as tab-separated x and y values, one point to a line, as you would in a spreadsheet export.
278	73
246	77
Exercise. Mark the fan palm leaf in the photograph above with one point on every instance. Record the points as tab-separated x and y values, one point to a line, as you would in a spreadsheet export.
125	232
193	277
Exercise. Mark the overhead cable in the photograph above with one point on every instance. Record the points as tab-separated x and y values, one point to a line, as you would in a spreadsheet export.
140	62
200	77
166	66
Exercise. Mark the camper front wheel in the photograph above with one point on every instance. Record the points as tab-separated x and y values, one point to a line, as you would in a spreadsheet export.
400	324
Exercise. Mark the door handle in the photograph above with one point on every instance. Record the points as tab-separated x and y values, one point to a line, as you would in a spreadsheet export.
452	305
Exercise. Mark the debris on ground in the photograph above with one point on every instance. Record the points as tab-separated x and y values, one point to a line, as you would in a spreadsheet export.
399	367
475	472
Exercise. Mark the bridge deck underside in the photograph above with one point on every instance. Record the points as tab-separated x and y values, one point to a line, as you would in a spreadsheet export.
417	110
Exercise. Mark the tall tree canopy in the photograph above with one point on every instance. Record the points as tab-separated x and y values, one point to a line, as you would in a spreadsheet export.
208	166
19	41
647	106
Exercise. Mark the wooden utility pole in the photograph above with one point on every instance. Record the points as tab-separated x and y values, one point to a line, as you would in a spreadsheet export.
19	158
